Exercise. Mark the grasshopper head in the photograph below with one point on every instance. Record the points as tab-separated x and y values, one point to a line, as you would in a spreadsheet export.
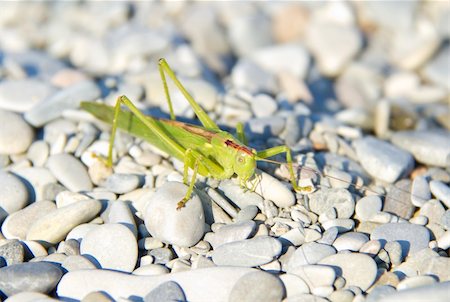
244	165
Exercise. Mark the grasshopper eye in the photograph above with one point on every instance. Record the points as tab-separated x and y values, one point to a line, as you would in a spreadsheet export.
240	160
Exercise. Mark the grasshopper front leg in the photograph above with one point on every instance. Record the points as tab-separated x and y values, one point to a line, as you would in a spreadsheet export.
284	149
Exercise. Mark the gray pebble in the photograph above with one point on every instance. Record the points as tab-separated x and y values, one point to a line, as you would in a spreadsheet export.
340	199
70	172
247	213
367	207
441	191
13	195
267	126
36	179
257	286
15	134
239	196
161	255
166	292
435	70
433	210
38	153
351	241
316	275
309	253
371	247
12	252
394	250
232	232
383	160
428	147
342	225
54	226
36	277
398	200
22	95
67	98
433	292
77	262
263	105
247	253
420	191
412	237
121	183
120	212
379	292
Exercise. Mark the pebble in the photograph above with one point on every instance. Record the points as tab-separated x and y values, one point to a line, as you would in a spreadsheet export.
427	262
420	191
316	275
398	200
239	196
184	227
367	207
294	285
230	233
242	36
251	77
36	179
121	183
151	270
167	291
427	147
13	195
22	95
38	153
433	292
433	210
247	213
112	246
441	191
120	212
357	269
218	280
309	253
54	226
29	297
351	241
69	171
322	201
383	160
77	262
414	282
394	250
15	134
258	286
247	253
342	225
263	105
39	277
64	99
435	70
11	252
272	189
412	237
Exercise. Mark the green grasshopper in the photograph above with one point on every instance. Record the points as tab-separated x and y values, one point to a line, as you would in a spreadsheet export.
207	150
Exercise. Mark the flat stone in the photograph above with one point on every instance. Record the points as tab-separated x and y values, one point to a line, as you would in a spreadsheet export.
67	98
168	291
184	227
247	253
70	172
257	286
13	195
207	284
433	210
351	241
232	232
398	200
316	275
247	213
121	183
239	196
435	70
36	179
433	292
294	285
323	200
29	297
38	153
309	253
15	134
22	95
383	160
441	191
394	250
357	269
427	262
342	225
263	105
120	212
112	246
367	207
77	262
151	270
420	191
12	252
54	226
412	237
427	147
414	282
39	277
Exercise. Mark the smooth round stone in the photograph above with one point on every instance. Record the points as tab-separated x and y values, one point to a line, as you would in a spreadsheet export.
121	183
266	126
54	226
433	210
342	225
380	291
151	270
322	201
232	232
36	180
22	95
77	262
13	195
263	105
367	207
371	247
427	262
412	237
184	227
207	284
242	36
382	160
113	246
29	297
430	147
433	292
257	286
293	237
394	250
241	197
167	291
247	213
417	281
435	70
316	275
309	253
251	77
11	252
120	212
333	54
444	241
420	191
294	285
39	277
247	253
441	191
79	232
38	153
15	134
67	98
398	201
33	249
351	241
357	269
69	171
